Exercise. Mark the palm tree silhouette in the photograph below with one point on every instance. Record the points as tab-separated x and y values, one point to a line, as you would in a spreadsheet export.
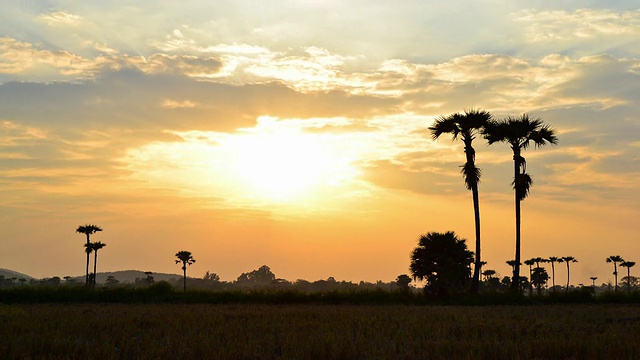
88	249
553	260
488	274
519	133
530	263
185	258
628	265
593	279
568	260
95	247
615	259
467	126
88	229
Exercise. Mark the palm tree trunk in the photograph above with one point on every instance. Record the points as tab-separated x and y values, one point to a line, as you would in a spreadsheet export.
553	276
475	282
628	279
615	273
568	273
515	284
471	178
531	281
86	277
95	267
184	268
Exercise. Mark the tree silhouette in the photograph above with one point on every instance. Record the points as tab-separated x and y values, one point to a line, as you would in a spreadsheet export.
88	229
443	260
185	258
553	260
628	265
260	277
615	259
530	263
149	279
568	260
111	281
467	126
211	276
403	282
88	249
593	280
519	133
95	247
539	278
488	274
512	263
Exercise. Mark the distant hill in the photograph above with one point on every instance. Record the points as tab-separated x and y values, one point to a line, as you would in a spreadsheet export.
8	274
129	276
124	276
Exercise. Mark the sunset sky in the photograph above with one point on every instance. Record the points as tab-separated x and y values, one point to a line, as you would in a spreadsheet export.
295	133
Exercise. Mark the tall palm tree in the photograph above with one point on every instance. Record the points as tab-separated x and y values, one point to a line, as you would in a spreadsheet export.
96	246
519	133
615	259
467	126
88	229
185	258
568	260
553	260
628	265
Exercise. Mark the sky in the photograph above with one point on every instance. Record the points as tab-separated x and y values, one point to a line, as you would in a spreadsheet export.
295	133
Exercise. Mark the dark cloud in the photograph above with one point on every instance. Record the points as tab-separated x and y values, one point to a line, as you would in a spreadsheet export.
132	99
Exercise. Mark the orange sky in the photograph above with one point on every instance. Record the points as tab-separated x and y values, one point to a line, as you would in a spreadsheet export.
295	135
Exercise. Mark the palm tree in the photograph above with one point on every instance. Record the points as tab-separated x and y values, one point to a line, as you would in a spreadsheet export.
628	265
88	249
488	274
539	278
568	260
530	263
467	126
615	259
553	260
519	133
593	279
88	229
96	246
185	258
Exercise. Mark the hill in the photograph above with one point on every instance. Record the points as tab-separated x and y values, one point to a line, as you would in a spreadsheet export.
129	276
124	276
8	274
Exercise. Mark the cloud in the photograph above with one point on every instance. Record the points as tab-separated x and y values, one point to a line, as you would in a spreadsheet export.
560	25
21	57
60	18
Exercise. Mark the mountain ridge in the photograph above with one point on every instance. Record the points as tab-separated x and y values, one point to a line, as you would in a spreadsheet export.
124	276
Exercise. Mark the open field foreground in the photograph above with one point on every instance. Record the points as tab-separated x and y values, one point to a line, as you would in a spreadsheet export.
318	332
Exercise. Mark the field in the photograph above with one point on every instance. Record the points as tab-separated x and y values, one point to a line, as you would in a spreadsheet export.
199	331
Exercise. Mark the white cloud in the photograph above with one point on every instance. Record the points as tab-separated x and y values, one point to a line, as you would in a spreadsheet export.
560	25
60	18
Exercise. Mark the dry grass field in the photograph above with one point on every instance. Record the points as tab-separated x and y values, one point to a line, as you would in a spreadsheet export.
180	331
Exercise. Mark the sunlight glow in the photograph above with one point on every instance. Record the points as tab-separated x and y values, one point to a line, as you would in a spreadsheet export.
278	162
275	163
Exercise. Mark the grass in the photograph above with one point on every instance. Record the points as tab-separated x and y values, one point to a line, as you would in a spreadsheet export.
260	331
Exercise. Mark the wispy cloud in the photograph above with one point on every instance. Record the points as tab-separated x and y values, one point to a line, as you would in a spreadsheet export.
60	18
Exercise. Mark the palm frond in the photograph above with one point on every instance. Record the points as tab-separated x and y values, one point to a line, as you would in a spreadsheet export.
471	175
522	184
444	125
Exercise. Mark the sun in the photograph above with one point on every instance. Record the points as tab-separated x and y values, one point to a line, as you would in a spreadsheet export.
285	164
281	164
